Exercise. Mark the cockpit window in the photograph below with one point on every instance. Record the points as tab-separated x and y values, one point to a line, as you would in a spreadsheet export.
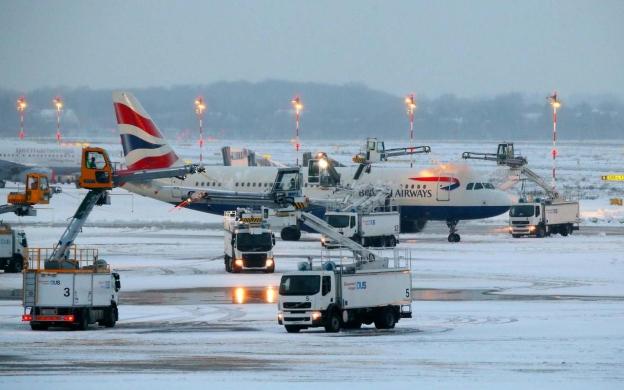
489	186
469	186
478	186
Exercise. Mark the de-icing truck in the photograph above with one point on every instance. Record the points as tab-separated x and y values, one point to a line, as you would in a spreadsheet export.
335	296
248	241
543	217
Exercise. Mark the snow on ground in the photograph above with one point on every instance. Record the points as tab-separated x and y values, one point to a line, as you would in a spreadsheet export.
491	311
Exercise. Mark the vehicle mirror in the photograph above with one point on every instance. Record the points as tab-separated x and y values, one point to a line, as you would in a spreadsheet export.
117	282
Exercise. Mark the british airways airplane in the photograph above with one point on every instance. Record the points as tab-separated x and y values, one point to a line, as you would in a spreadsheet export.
445	192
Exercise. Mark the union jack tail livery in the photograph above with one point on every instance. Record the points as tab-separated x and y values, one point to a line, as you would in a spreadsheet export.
143	144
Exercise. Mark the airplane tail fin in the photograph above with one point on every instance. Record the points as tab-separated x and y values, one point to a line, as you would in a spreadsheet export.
143	144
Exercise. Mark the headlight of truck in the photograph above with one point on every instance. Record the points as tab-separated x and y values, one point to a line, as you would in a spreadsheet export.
406	308
268	263
531	228
280	316
238	262
316	315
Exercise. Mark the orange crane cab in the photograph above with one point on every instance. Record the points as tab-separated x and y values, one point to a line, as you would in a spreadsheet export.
96	171
37	191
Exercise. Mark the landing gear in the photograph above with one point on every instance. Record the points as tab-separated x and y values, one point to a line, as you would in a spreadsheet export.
291	233
453	236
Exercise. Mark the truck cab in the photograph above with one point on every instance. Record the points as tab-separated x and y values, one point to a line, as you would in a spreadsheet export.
13	249
306	297
248	241
525	218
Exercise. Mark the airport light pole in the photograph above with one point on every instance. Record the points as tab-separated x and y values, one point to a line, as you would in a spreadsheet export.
200	107
298	106
555	103
21	106
410	105
58	104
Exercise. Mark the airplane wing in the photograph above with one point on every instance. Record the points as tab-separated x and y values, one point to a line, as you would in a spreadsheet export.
10	171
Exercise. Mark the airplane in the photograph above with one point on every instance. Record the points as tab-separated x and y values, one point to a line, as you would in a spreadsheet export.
22	157
448	192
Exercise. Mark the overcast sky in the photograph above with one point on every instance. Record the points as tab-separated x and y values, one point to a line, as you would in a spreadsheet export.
469	48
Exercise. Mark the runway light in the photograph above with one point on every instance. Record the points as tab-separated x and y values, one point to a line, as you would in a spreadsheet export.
239	295
270	295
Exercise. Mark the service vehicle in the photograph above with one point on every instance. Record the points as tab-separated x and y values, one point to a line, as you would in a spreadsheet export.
76	292
377	229
543	217
248	241
336	296
13	249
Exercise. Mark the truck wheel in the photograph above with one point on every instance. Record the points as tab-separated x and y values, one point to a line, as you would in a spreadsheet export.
392	242
332	323
17	264
83	320
570	228
292	328
228	264
563	230
38	326
109	317
385	319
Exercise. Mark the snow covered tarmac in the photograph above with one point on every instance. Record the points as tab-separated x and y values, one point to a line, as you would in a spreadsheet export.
491	311
570	333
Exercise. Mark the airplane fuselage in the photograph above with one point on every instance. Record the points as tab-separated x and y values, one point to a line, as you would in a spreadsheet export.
430	194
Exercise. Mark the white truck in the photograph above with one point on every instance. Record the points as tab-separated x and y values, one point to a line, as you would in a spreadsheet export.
338	297
73	293
377	229
248	241
13	249
542	218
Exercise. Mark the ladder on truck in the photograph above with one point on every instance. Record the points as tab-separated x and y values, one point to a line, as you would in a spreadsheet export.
505	156
362	255
99	178
375	151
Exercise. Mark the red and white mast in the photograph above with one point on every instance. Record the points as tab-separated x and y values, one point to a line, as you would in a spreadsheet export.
58	104
21	106
555	104
410	105
298	106
200	106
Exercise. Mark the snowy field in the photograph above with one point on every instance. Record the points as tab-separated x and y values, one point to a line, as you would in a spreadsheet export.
491	311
